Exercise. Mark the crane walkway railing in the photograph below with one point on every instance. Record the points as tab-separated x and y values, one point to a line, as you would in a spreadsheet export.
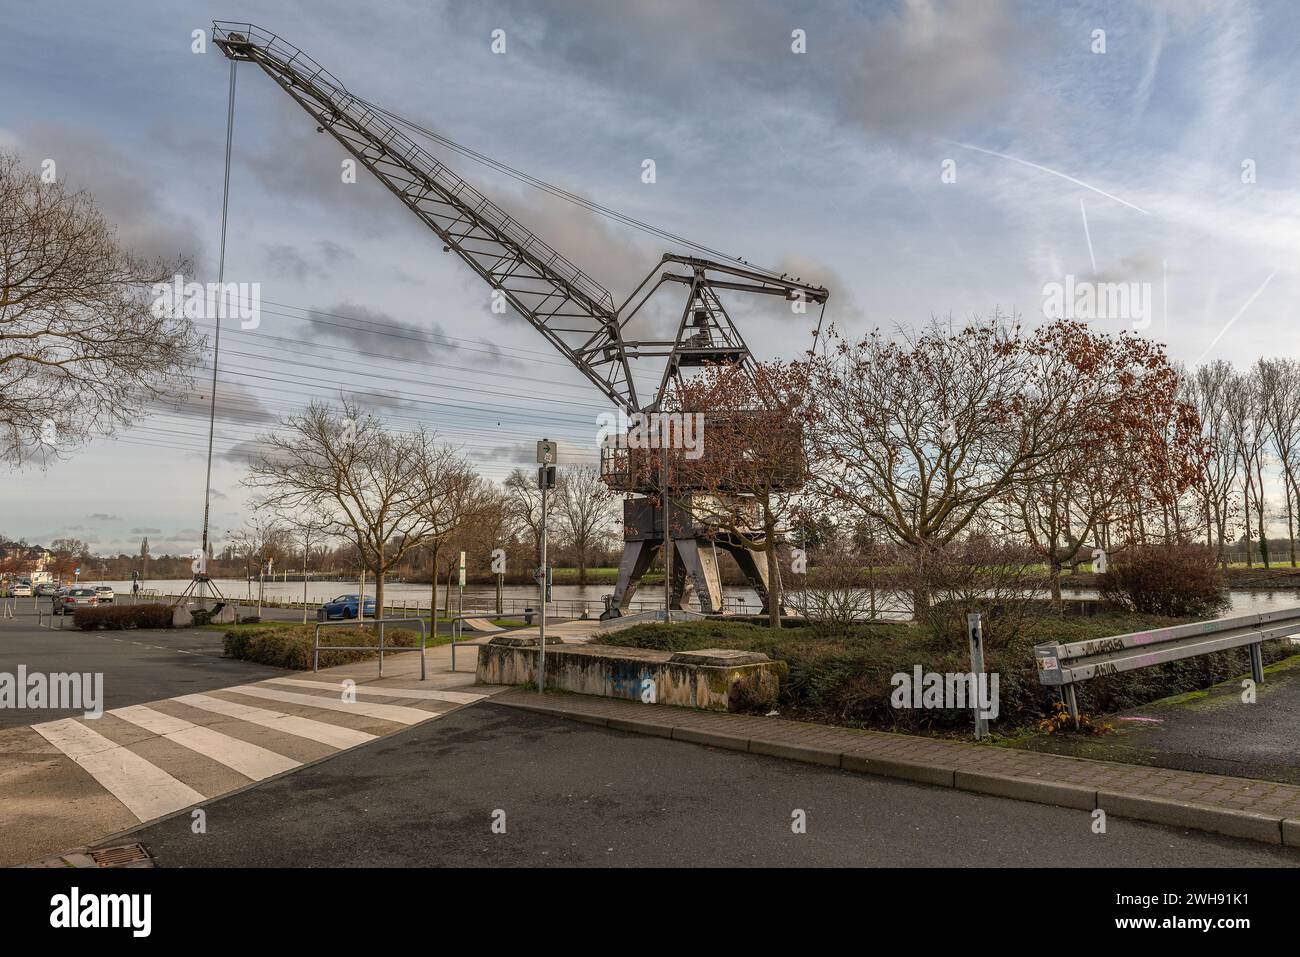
291	59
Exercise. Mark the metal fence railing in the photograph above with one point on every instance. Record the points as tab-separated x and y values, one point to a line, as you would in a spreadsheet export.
355	623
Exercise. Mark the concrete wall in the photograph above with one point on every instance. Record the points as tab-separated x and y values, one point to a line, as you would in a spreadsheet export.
715	679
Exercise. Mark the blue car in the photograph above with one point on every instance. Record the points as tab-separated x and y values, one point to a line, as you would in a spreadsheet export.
345	606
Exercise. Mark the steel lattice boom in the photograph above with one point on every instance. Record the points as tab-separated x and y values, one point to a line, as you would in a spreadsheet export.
573	311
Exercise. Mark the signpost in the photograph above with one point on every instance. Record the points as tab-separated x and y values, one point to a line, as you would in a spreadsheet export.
460	591
546	451
975	631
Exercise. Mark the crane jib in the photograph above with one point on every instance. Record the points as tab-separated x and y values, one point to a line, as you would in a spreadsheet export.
573	311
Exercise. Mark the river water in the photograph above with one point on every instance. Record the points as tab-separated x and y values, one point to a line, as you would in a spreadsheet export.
576	597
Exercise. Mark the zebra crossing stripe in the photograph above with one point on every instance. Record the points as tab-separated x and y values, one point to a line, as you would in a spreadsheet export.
319	731
423	694
385	712
250	760
145	789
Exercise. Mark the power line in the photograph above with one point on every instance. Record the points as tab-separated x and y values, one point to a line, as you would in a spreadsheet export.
560	193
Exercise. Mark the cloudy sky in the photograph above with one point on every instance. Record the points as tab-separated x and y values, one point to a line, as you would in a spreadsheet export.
920	158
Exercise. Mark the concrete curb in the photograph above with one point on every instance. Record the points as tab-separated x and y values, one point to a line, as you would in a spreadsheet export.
1028	789
1247	824
1251	825
906	770
798	752
731	741
1291	832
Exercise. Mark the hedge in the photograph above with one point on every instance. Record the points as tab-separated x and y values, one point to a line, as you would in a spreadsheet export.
123	616
842	675
290	645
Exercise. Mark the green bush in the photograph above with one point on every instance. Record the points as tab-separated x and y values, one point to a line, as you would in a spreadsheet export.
290	645
123	616
843	675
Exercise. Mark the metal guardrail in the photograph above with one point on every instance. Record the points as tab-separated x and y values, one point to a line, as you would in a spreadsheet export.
358	623
1065	665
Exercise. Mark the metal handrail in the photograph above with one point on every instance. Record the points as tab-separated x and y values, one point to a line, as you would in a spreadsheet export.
359	622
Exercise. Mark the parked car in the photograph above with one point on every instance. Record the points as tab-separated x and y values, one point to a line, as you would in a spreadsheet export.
21	589
345	606
74	598
46	589
105	594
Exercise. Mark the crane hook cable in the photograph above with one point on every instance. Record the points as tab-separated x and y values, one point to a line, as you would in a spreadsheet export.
221	275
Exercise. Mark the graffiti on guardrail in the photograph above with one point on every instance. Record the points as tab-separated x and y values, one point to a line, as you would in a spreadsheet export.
1101	646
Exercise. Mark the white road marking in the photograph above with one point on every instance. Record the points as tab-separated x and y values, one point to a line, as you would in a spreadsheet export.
319	731
385	712
250	760
424	694
146	789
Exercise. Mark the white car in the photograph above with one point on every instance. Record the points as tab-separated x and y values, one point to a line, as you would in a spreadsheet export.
21	589
105	594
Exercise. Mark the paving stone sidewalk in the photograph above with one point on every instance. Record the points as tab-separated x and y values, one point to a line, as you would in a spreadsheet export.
1239	807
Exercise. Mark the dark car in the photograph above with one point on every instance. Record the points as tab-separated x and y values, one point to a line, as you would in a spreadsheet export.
345	606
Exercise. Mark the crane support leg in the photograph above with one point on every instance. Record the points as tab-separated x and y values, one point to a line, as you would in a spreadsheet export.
753	565
638	555
695	560
697	566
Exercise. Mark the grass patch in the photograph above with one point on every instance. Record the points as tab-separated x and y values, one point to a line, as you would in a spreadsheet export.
842	675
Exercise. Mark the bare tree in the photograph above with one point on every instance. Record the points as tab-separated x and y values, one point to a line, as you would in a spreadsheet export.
1249	426
925	435
1279	385
82	350
262	539
448	494
585	506
365	479
1207	390
310	528
524	508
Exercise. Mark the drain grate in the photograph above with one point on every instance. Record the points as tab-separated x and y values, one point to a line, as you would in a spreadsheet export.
119	856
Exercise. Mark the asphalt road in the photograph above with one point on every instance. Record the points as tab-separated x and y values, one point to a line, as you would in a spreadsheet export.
1212	731
578	795
137	665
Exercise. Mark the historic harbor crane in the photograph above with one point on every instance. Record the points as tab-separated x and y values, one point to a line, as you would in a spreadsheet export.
573	311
